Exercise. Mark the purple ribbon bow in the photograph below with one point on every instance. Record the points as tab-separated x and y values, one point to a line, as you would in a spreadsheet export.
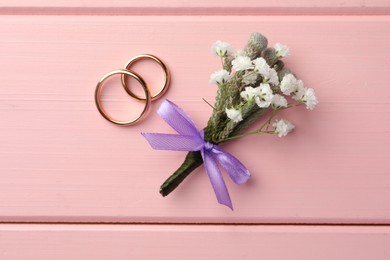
190	139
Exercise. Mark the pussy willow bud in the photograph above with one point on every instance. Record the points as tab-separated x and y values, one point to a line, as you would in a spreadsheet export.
284	72
255	45
269	55
278	65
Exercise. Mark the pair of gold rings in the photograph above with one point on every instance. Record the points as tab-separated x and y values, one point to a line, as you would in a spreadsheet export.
125	74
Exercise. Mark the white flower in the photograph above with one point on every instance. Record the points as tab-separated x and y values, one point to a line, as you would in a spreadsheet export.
299	92
282	127
249	78
272	77
278	101
281	50
241	52
265	96
305	95
234	114
241	63
261	66
250	93
310	99
220	77
289	84
222	49
269	75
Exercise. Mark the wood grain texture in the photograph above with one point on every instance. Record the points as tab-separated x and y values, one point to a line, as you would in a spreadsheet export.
192	242
60	161
176	7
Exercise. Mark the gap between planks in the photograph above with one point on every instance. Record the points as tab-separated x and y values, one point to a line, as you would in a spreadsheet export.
195	11
192	224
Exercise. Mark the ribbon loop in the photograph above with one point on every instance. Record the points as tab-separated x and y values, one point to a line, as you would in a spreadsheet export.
174	142
177	118
190	139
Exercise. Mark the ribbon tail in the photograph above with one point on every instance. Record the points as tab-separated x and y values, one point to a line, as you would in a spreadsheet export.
236	170
216	179
173	142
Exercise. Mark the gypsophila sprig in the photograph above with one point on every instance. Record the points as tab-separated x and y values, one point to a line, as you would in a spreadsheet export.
249	93
299	91
263	100
222	49
278	101
289	84
220	77
254	86
234	114
310	99
242	63
249	78
283	127
267	73
281	50
261	66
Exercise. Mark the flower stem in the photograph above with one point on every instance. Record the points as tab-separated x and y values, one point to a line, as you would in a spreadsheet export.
295	104
192	161
268	122
258	131
208	104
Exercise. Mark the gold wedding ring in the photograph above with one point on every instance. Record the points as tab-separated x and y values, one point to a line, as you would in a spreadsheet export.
125	74
98	101
162	90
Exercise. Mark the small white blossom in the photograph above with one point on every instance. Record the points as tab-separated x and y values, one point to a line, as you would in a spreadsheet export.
220	77
289	84
310	99
265	96
222	49
234	114
282	127
241	63
241	52
249	78
269	75
261	66
250	93
281	50
272	77
305	95
299	92
278	101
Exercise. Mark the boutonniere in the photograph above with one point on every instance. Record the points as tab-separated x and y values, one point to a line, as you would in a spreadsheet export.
253	83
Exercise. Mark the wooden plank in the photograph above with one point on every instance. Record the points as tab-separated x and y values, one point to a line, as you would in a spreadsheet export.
193	242
195	7
60	161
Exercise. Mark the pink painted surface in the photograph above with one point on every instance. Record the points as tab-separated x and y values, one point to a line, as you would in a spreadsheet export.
193	242
200	7
285	4
60	161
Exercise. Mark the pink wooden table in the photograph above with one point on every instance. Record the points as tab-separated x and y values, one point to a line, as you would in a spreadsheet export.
67	175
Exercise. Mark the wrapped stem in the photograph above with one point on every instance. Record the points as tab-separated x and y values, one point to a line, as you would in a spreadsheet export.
192	161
